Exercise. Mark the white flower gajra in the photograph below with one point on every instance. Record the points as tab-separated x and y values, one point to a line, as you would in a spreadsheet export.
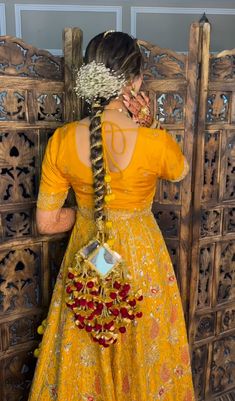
95	80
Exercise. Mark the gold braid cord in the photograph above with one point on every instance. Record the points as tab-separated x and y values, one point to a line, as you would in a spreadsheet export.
97	171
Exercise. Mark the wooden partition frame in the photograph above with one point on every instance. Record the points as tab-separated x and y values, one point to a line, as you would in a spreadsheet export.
212	300
35	98
193	96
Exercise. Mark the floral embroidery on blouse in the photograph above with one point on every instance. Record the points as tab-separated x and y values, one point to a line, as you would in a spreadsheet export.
51	201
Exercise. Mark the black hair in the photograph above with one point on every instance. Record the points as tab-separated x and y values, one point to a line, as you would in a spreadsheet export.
120	53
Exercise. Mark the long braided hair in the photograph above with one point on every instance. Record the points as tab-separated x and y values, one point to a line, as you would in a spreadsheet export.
119	52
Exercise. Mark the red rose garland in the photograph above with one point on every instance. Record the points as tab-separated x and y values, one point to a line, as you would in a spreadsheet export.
101	306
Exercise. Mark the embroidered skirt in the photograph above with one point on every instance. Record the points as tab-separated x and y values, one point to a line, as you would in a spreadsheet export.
150	361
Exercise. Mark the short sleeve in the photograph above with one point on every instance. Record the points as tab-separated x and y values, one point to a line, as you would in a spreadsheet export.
54	185
174	166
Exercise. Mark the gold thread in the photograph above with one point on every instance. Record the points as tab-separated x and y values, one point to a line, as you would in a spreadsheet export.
184	172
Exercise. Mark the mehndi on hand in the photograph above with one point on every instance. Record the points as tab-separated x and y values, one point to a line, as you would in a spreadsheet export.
138	104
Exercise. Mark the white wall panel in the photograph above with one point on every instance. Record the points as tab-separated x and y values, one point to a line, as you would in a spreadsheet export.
2	19
169	26
42	24
163	22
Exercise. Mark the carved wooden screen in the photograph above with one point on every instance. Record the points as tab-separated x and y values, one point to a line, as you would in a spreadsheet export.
35	97
212	309
171	80
34	100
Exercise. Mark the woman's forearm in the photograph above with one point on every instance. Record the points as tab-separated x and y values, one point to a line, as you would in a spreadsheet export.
62	220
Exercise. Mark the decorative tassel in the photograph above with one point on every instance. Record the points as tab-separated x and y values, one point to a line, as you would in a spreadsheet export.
102	306
40	330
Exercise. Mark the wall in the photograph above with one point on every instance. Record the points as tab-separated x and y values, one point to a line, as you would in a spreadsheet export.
165	23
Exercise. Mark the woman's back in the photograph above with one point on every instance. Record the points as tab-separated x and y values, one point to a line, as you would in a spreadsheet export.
136	158
120	136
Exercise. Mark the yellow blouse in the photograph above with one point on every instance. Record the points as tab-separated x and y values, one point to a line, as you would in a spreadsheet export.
156	155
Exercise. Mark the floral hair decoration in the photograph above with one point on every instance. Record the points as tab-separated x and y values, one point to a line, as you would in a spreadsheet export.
95	80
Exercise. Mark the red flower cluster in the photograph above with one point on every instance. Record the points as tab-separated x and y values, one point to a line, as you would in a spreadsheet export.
101	308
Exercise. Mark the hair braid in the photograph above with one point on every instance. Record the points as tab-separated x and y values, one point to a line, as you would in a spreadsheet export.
97	161
119	53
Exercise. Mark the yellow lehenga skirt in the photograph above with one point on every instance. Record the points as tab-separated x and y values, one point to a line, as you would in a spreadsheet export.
151	360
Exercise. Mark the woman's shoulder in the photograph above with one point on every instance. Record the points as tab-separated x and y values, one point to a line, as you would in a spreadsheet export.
67	130
153	135
71	126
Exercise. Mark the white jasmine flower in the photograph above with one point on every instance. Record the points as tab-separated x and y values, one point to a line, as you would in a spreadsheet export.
95	80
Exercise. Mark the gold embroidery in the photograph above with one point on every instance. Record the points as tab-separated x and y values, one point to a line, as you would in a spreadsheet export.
116	214
139	241
51	201
184	173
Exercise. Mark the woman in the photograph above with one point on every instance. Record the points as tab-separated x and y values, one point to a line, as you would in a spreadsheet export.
112	164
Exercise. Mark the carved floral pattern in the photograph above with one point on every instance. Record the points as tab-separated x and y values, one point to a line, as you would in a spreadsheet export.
171	192
12	105
173	250
228	319
50	107
198	370
226	279
17	375
17	166
170	107
23	330
17	224
19	279
229	220
229	192
160	63
210	222
206	259
168	222
222	375
217	107
205	326
18	58
222	68
211	160
21	273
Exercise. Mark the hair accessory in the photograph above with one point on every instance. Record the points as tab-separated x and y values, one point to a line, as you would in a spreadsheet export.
95	80
108	32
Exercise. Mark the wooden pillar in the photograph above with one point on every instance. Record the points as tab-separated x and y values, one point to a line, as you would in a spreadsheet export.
198	166
72	38
186	196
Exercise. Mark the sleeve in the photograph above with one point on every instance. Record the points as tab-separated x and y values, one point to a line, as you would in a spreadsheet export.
54	185
174	166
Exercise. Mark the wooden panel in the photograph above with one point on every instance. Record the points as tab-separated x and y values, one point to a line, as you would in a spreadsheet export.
16	374
32	105
73	60
22	60
212	304
171	80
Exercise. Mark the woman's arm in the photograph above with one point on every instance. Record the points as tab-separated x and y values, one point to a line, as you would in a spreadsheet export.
55	221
